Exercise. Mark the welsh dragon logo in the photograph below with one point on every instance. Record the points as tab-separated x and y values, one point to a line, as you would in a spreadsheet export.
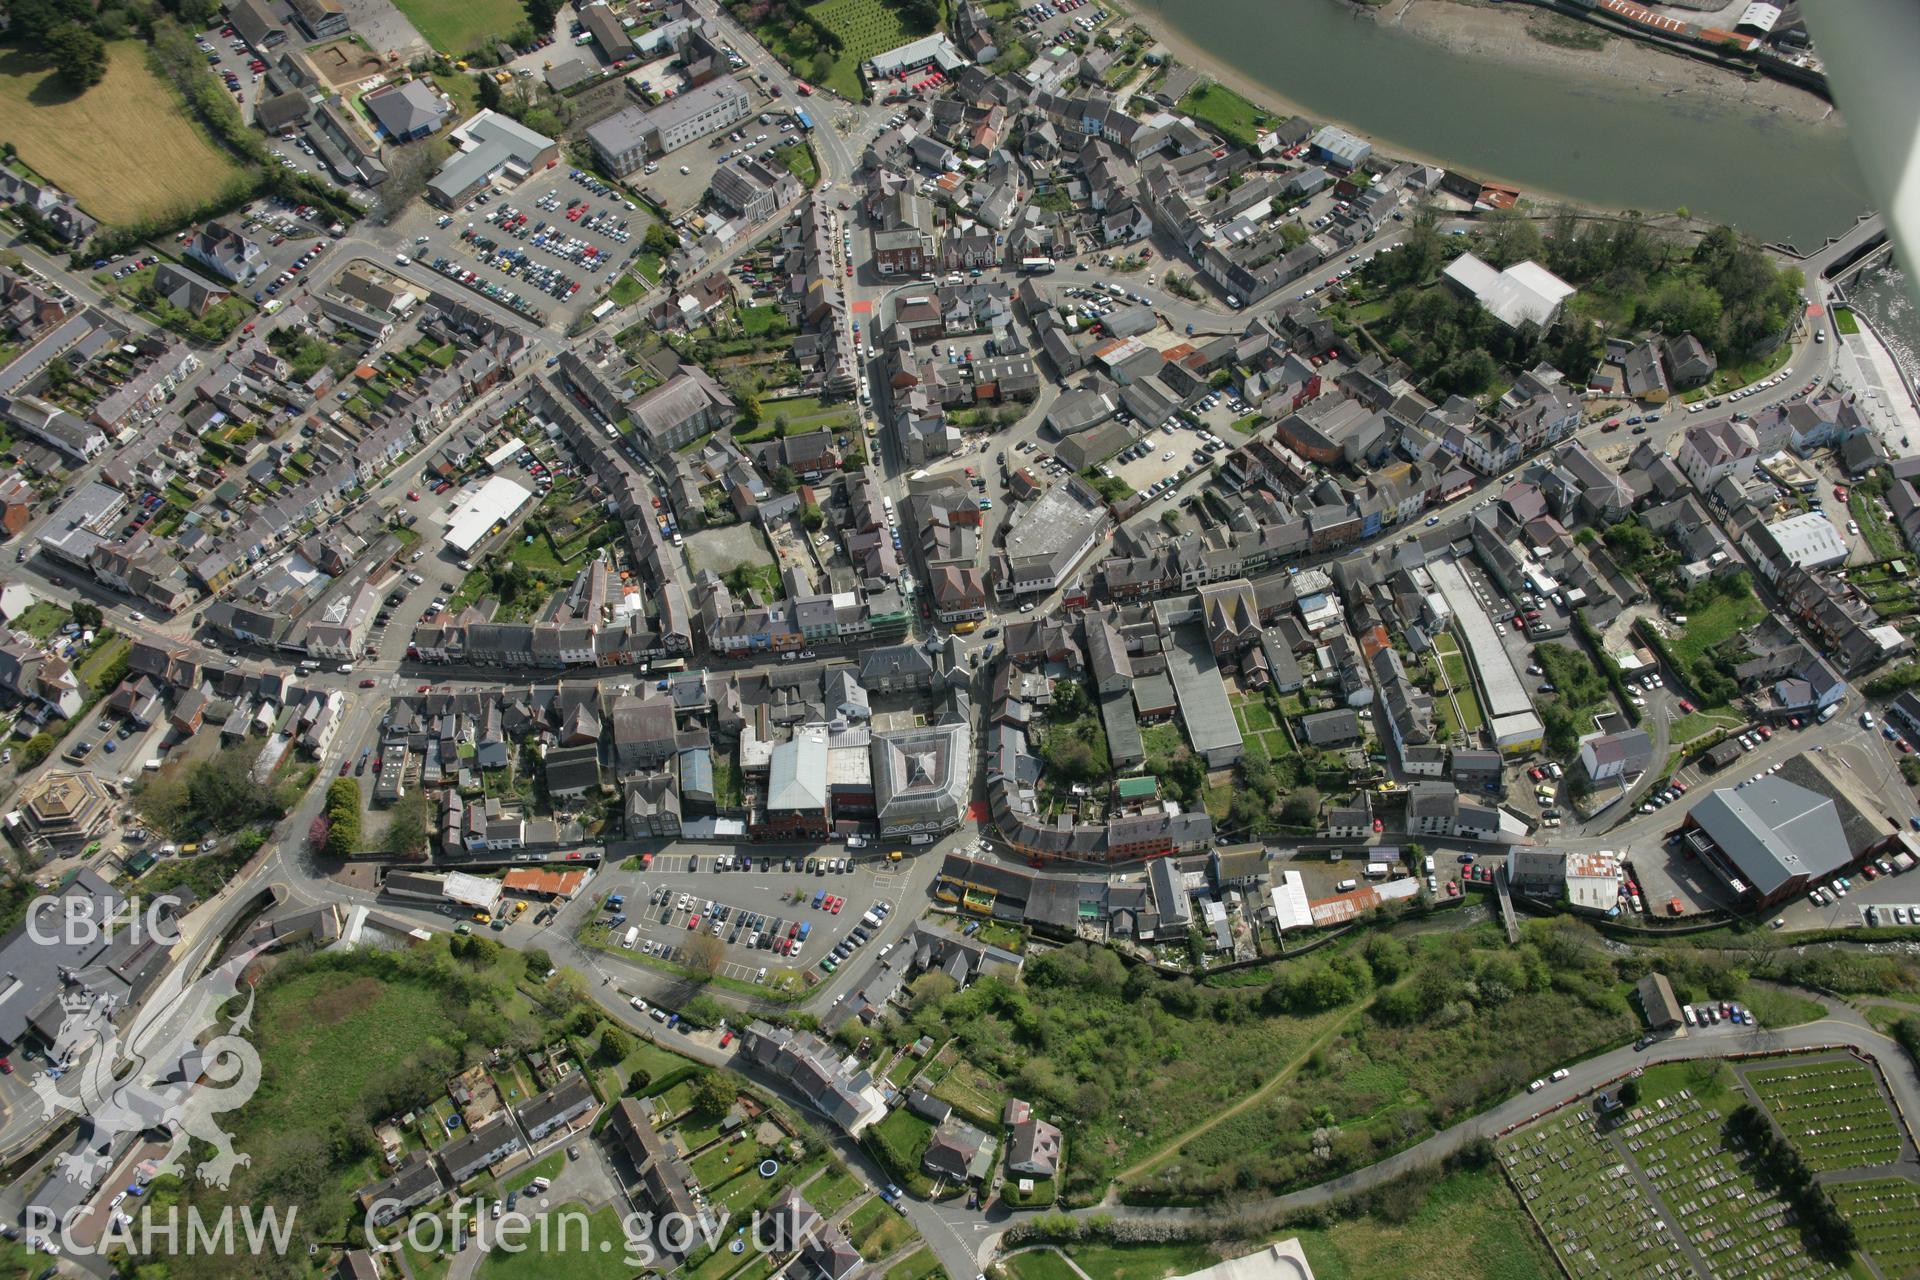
131	1085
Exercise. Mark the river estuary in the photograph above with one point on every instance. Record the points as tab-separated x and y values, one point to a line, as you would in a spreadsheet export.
1596	140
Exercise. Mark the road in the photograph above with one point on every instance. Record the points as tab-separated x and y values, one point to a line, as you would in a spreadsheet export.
960	1238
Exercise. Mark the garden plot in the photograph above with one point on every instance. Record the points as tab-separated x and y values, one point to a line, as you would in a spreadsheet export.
1833	1110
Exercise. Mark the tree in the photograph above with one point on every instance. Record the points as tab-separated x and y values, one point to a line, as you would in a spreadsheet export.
922	15
541	14
811	517
711	1093
615	1044
822	65
1630	1092
407	828
408	169
704	952
750	409
1069	700
659	240
36	749
489	95
1510	237
343	817
538	961
87	613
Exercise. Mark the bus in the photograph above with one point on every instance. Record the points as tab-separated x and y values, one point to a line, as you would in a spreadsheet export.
600	312
1036	266
804	120
804	89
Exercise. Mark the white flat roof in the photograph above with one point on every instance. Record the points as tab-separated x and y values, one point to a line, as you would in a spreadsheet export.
1290	909
472	891
505	453
473	519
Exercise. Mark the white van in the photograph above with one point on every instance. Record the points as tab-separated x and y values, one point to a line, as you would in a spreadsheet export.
1346	886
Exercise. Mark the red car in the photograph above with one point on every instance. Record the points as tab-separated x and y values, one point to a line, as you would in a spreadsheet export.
726	1039
1765	733
1686	707
423	688
693	922
834	904
344	766
646	860
413	495
366	684
1840	493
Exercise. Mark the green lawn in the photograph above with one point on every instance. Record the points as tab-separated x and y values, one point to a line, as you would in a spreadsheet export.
107	651
1138	1262
1709	626
1845	321
876	1230
1226	112
1696	724
627	290
455	27
918	1265
831	1190
41	619
648	265
1041	1264
601	1255
800	163
463	89
1880	537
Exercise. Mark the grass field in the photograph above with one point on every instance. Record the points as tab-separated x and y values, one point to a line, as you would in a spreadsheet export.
1226	112
457	26
1845	321
126	149
1468	1225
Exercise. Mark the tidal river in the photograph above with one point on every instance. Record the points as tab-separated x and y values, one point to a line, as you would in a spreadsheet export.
1591	139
